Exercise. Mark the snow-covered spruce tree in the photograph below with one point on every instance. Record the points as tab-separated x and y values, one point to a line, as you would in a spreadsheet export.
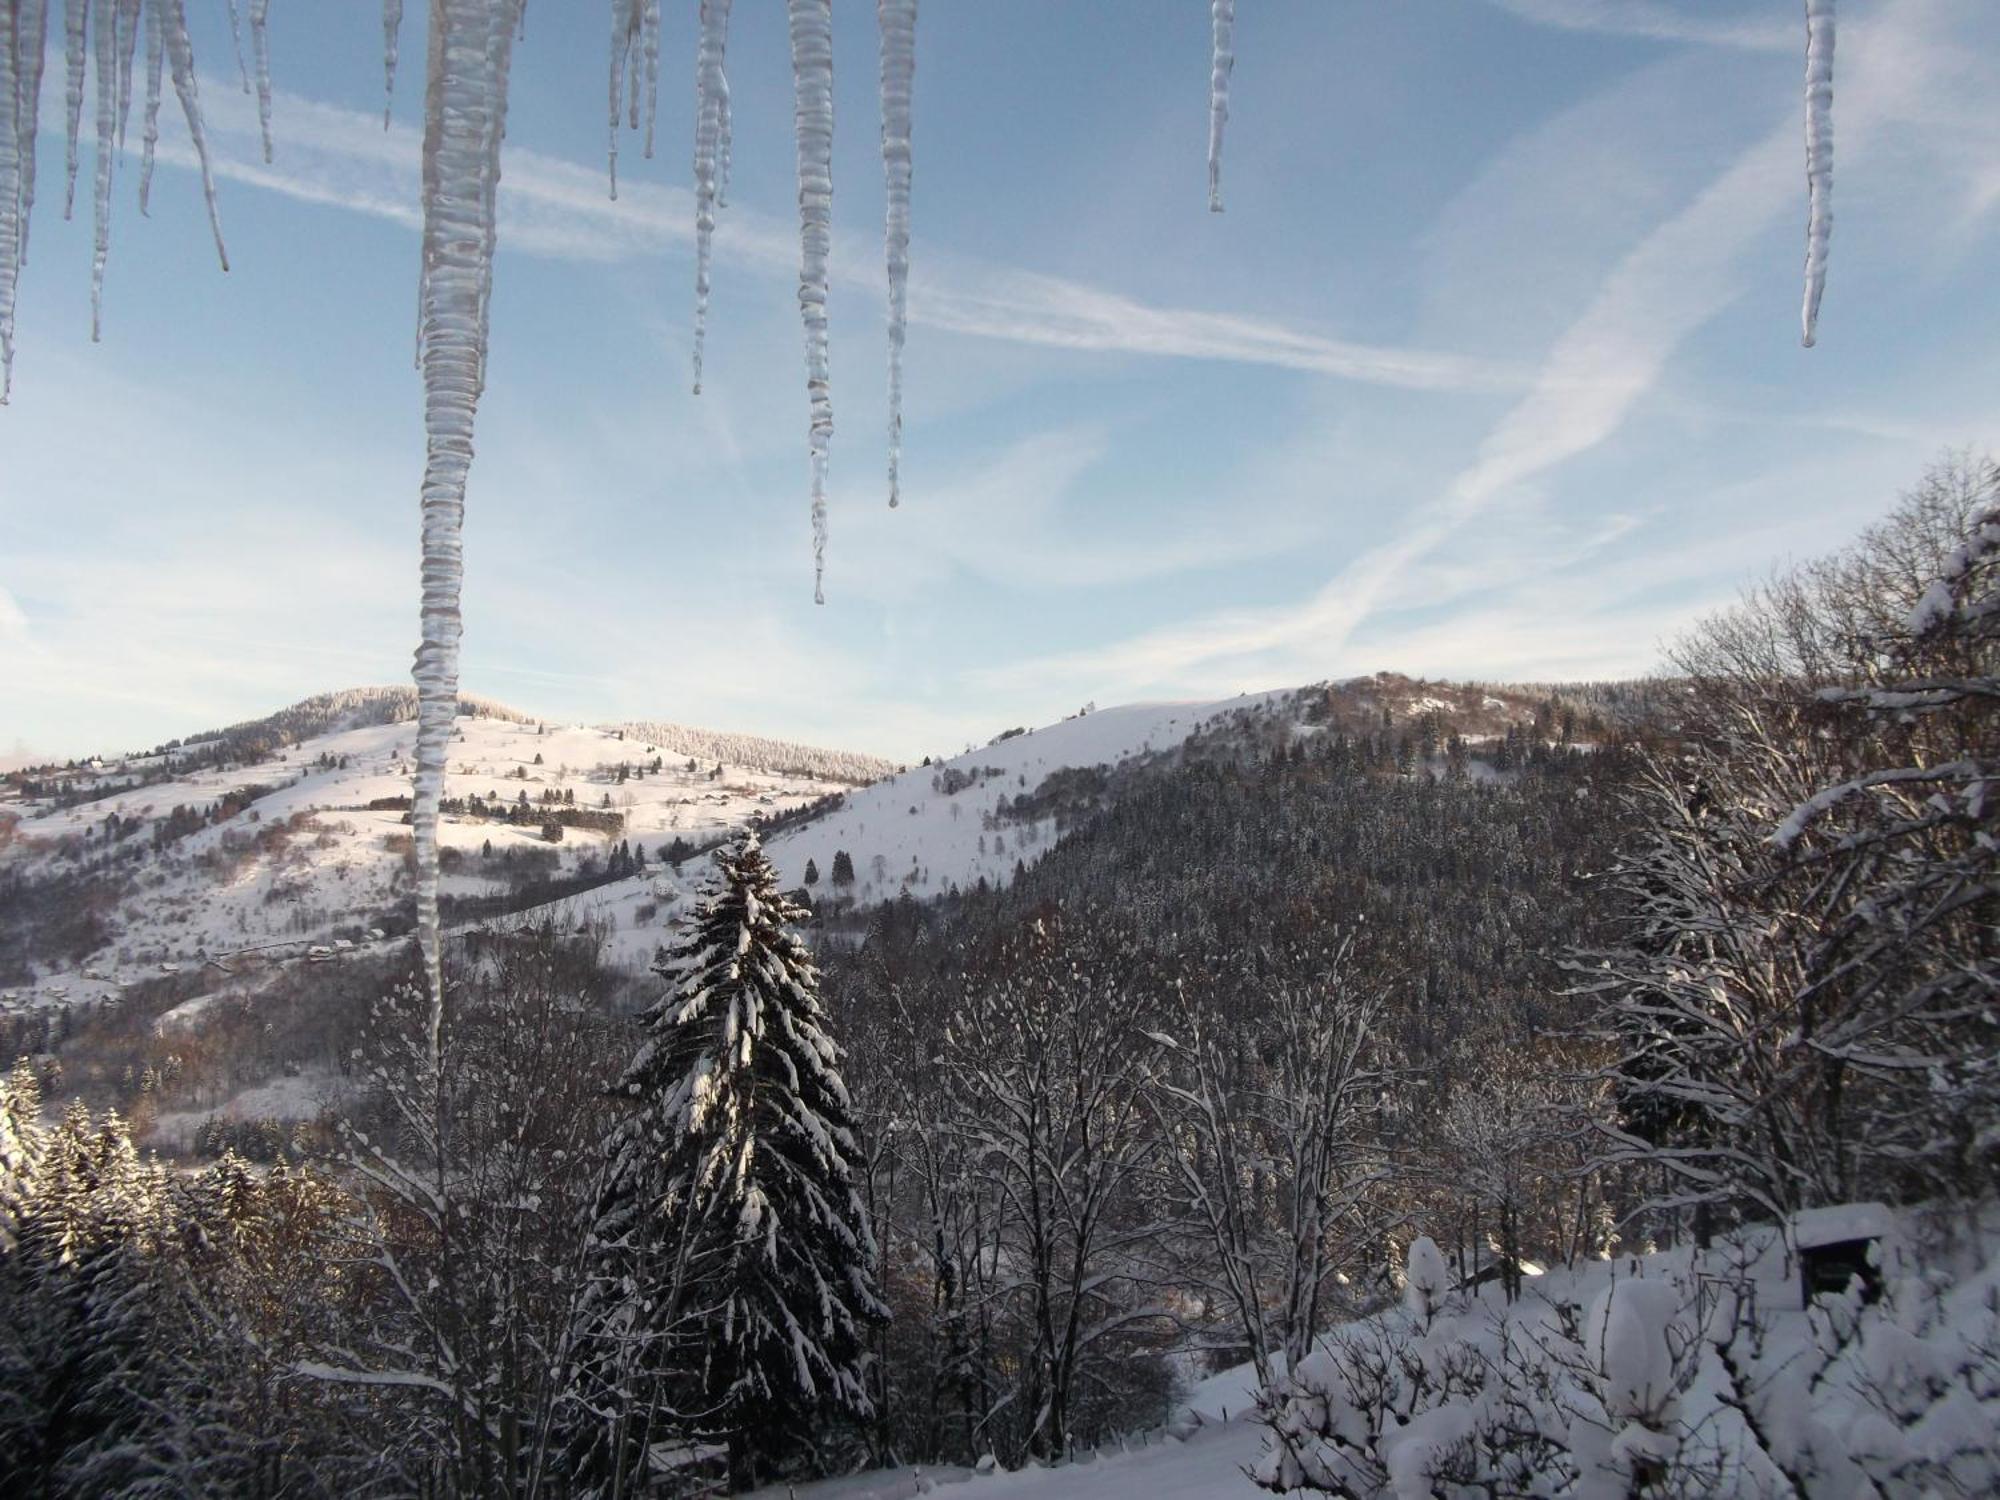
736	1266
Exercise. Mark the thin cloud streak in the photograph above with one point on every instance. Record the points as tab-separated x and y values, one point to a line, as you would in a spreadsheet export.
1654	22
558	209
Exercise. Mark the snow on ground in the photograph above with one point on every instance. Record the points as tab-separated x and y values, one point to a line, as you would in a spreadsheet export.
927	838
1890	1387
1191	1459
301	1096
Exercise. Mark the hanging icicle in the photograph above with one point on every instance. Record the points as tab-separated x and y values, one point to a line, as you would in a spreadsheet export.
897	21
1222	62
471	46
155	62
649	32
76	23
127	39
180	66
104	39
260	50
812	121
627	19
32	21
711	93
392	26
236	43
1819	158
12	64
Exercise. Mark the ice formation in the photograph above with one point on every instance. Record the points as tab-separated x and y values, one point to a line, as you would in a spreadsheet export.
104	42
155	61
76	23
392	26
635	70
472	43
31	39
711	117
812	83
1819	157
260	51
10	186
898	22
1222	61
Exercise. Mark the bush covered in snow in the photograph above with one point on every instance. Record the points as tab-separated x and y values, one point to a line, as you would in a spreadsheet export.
1680	1374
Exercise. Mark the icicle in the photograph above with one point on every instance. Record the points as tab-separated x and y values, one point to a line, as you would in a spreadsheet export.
897	20
812	118
471	45
32	18
724	141
128	38
105	41
710	93
76	20
236	41
1222	19
10	187
260	47
392	25
180	64
154	54
1819	157
650	35
625	25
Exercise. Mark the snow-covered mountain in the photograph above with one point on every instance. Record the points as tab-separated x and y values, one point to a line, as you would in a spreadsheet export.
977	816
288	834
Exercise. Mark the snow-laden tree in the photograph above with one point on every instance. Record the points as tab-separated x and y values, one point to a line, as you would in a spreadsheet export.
1803	1002
735	1263
1270	1097
1046	1058
474	1186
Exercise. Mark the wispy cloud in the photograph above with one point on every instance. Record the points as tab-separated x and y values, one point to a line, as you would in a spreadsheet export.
559	209
1602	366
1657	21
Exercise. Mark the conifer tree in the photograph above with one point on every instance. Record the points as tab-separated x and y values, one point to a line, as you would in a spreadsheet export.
736	1261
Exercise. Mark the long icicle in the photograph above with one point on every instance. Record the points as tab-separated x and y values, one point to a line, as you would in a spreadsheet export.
11	61
1222	61
650	42
260	51
709	94
31	42
180	65
155	54
722	146
392	26
812	121
1819	159
236	41
625	20
471	45
897	21
104	41
76	24
128	38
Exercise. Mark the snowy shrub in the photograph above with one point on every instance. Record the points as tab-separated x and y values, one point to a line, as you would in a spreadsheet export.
1683	1375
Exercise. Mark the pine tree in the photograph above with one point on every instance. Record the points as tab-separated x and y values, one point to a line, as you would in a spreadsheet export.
735	1249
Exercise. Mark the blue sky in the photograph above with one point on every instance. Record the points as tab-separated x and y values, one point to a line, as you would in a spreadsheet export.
1491	368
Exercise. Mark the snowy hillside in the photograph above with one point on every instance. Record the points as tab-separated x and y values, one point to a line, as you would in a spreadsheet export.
290	834
977	816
